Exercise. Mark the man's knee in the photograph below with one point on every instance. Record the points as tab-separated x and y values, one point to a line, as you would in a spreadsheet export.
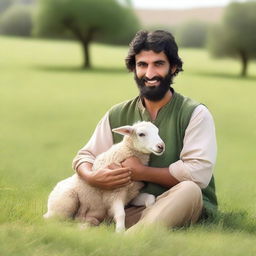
190	186
187	188
180	205
191	201
190	189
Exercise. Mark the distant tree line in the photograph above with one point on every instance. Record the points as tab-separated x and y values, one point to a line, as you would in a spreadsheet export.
114	22
4	4
192	34
105	21
16	20
236	36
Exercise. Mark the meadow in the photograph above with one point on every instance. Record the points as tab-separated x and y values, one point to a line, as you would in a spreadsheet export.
49	108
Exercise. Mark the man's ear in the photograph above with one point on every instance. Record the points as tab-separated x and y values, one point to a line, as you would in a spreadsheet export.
173	69
124	130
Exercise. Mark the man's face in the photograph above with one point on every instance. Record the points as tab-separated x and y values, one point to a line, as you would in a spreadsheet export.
153	74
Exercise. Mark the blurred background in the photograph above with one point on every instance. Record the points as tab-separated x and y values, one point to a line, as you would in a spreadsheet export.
62	67
195	24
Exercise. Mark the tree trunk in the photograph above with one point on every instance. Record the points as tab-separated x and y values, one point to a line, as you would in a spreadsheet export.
87	60
85	39
244	59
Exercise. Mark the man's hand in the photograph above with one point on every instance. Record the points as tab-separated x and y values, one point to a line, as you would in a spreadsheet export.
111	177
137	168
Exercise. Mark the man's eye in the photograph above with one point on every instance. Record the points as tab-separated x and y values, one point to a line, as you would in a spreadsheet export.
141	64
159	64
141	134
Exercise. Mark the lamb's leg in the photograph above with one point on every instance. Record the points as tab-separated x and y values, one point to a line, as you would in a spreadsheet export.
81	213
89	222
82	216
62	205
143	199
118	212
63	200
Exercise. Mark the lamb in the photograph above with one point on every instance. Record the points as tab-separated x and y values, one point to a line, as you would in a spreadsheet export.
74	198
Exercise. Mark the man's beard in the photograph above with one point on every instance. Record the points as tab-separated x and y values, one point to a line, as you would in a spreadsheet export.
154	93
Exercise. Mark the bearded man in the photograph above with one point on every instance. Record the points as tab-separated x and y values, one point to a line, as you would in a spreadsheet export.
181	178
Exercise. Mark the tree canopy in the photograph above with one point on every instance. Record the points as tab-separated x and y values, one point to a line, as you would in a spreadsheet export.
192	34
4	4
236	36
86	20
16	20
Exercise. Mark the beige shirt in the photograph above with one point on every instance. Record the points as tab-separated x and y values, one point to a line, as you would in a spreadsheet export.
197	157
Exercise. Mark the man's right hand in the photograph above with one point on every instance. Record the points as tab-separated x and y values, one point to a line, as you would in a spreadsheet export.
111	177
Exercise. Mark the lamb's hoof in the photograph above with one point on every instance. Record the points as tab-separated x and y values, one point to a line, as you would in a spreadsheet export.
47	215
93	221
84	226
150	200
89	221
120	229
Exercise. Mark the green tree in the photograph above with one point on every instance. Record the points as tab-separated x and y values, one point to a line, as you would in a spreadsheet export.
85	19
192	34
17	21
236	36
4	4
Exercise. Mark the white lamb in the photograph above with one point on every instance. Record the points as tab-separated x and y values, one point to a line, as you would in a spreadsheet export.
74	198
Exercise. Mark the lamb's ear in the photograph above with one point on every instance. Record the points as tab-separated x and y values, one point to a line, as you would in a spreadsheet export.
123	130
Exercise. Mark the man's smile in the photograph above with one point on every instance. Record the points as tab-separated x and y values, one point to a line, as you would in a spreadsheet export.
152	83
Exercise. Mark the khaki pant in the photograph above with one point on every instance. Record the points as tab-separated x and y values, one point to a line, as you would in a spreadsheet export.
179	206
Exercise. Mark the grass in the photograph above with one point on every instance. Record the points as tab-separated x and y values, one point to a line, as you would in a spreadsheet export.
49	108
47	240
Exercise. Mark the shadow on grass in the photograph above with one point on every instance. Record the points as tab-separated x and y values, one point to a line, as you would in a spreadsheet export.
232	221
76	69
225	76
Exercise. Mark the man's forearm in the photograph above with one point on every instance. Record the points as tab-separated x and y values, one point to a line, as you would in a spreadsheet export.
110	177
84	170
160	176
140	172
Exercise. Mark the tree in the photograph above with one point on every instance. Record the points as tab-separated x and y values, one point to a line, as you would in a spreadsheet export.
17	21
85	19
192	34
4	4
236	36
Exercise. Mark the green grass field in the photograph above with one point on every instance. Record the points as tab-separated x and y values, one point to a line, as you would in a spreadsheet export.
49	108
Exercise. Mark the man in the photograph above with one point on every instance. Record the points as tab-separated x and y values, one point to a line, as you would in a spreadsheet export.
182	177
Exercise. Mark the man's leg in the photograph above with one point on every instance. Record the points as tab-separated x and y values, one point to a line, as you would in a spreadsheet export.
179	206
133	215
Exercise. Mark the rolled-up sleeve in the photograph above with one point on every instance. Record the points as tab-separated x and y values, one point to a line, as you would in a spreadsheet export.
100	141
198	156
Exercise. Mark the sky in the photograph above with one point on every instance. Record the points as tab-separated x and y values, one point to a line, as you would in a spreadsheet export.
179	4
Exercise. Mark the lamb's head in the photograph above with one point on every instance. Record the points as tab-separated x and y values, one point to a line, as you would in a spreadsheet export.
143	136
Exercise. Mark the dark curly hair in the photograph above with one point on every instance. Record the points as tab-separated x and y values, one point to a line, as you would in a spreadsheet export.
157	41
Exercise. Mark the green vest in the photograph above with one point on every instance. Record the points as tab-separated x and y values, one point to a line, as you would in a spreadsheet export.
172	121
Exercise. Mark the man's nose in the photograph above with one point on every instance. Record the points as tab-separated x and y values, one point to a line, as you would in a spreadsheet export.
150	72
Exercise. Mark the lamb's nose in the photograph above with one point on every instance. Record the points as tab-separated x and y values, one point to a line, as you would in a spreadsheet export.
160	147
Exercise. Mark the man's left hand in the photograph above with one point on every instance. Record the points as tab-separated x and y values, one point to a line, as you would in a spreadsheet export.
137	168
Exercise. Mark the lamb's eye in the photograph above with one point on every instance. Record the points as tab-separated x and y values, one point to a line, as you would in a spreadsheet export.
141	134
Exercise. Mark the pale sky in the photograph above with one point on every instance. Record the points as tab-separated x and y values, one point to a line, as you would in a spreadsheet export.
180	4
